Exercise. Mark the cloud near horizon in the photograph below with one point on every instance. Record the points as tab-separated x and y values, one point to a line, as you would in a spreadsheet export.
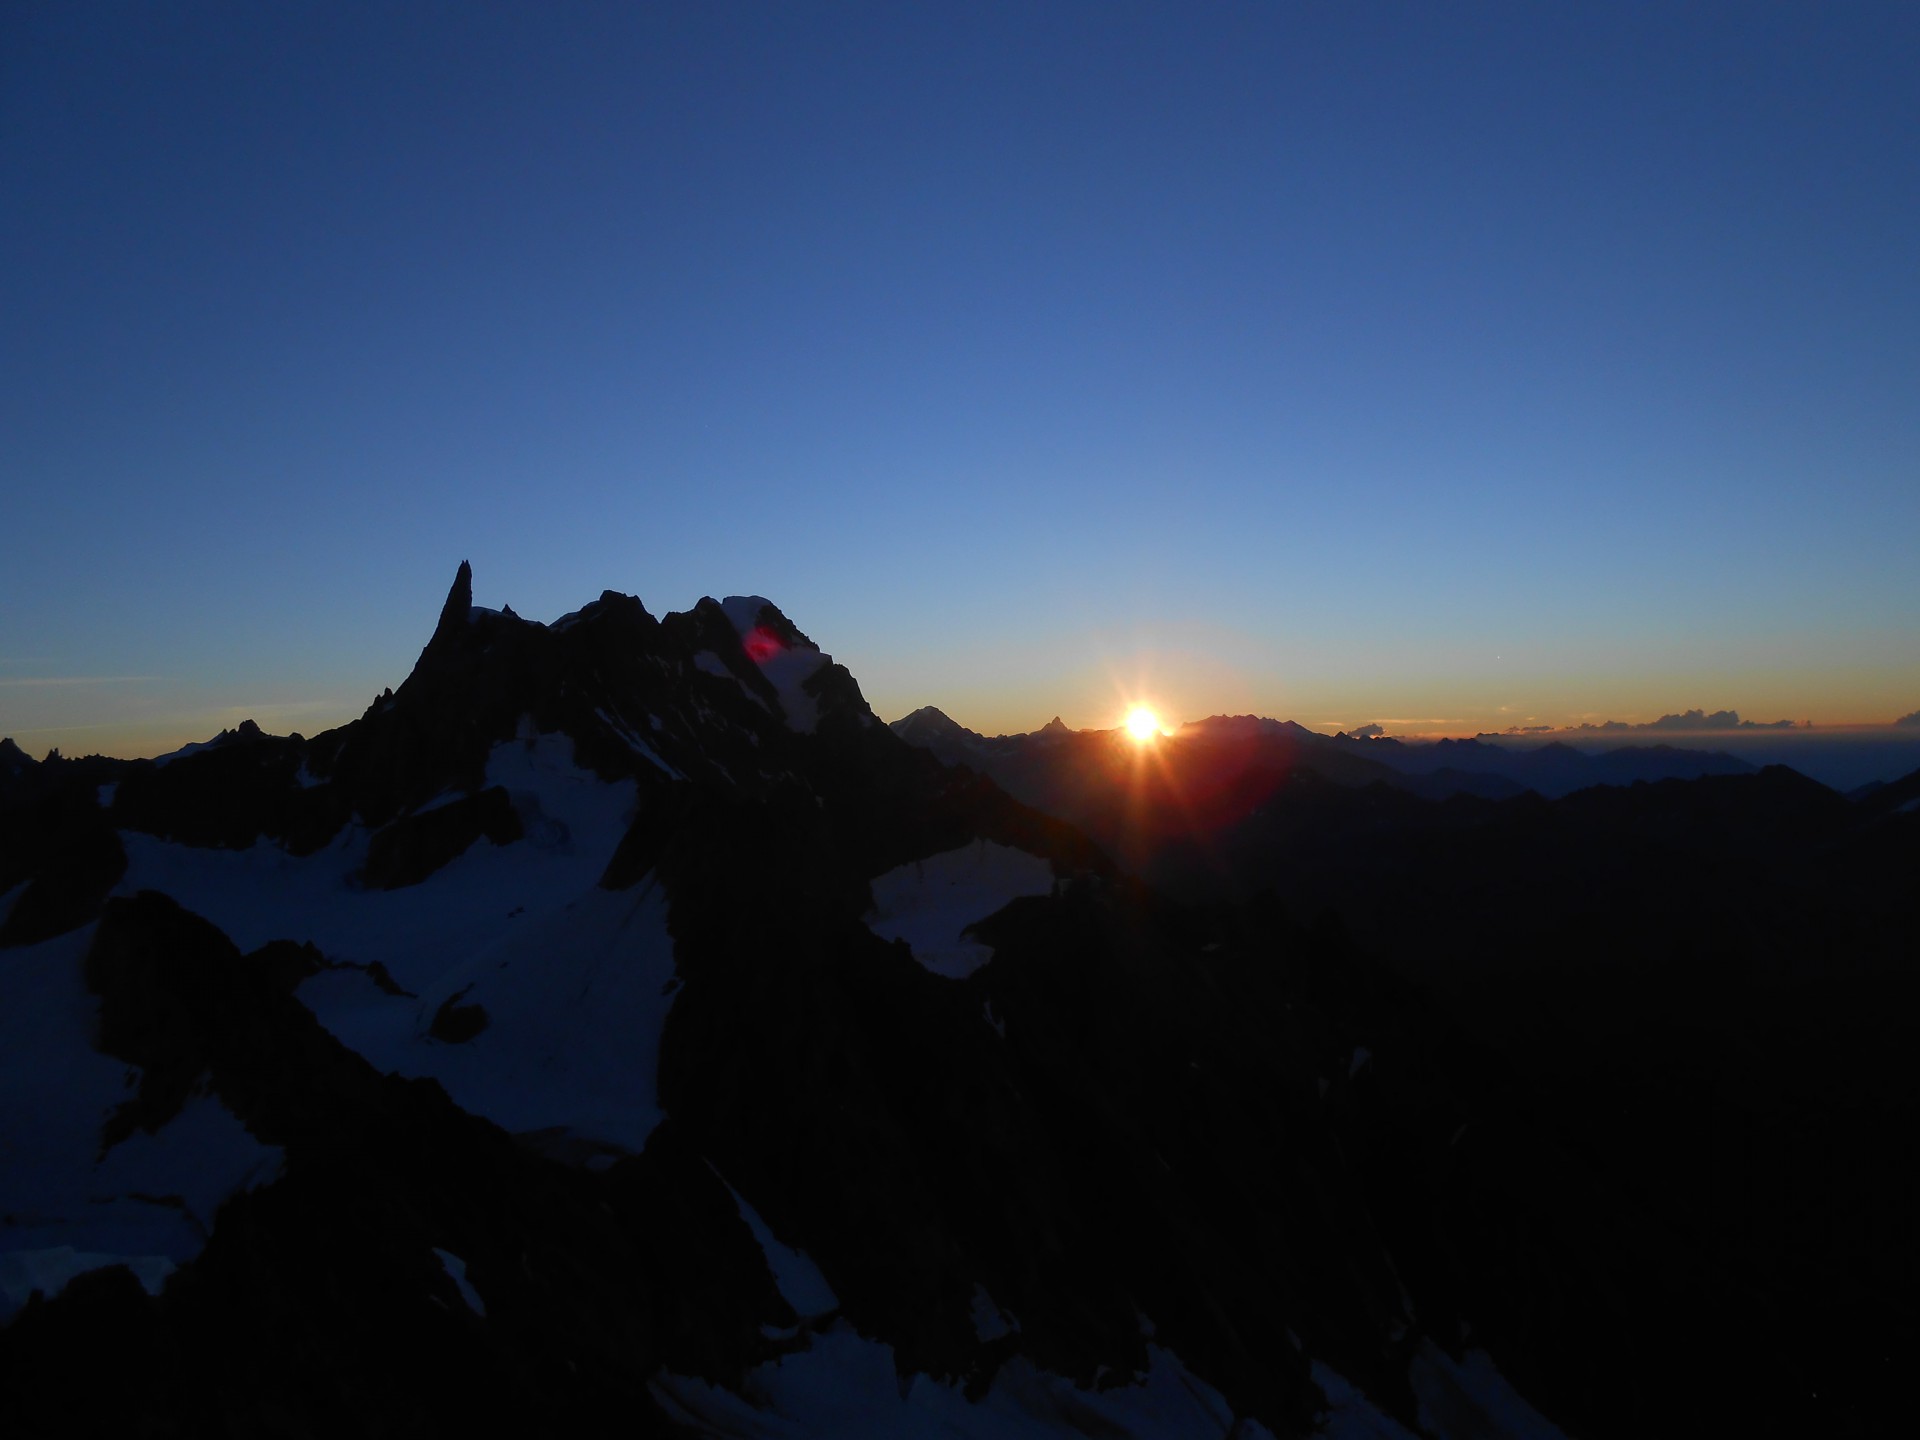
1686	721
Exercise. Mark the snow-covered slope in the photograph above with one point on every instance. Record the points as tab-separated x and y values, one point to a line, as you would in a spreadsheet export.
933	903
74	1202
615	1030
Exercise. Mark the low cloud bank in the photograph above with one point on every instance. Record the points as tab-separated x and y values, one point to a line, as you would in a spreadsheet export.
1685	721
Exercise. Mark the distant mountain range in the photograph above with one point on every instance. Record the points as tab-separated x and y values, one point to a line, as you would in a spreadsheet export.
1434	769
617	1029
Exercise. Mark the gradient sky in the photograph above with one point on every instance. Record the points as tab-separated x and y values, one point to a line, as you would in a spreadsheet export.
1444	366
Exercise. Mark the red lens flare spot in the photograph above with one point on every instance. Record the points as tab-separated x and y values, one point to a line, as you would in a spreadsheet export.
761	644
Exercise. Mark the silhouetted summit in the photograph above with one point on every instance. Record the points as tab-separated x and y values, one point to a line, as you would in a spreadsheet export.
616	1029
14	762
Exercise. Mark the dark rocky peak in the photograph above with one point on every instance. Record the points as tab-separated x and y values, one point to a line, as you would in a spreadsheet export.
928	724
1894	797
1456	749
464	627
678	699
706	627
706	639
806	686
926	716
459	598
480	673
1056	727
454	613
1244	728
612	611
933	730
228	792
15	763
247	732
838	700
762	626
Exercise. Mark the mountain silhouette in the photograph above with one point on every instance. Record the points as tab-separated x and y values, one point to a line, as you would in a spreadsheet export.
617	1029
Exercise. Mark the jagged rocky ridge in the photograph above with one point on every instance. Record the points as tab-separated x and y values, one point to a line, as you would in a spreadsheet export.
617	1029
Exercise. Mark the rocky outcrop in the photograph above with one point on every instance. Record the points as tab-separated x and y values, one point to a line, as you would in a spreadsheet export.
70	881
15	766
239	788
408	850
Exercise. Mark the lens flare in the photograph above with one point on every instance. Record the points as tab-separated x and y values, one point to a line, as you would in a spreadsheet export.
761	644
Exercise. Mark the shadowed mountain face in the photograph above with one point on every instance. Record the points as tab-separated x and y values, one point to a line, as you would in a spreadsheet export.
1218	754
617	1029
1691	852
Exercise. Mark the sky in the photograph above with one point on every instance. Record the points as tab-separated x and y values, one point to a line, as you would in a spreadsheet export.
1443	367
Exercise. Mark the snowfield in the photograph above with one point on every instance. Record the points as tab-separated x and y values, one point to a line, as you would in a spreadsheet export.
931	902
573	978
150	1201
787	668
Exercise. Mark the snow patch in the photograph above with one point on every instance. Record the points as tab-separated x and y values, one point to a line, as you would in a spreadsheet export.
160	762
712	664
990	1322
575	1002
638	745
419	931
928	903
440	801
456	1269
24	1271
1349	1414
787	667
1469	1399
788	671
845	1385
798	1279
571	976
743	611
64	1208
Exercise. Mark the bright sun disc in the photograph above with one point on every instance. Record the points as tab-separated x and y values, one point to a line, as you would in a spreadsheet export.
1142	723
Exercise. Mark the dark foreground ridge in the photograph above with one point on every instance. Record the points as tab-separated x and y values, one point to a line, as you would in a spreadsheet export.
618	1030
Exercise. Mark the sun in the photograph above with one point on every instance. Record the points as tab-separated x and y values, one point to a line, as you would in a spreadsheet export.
1143	724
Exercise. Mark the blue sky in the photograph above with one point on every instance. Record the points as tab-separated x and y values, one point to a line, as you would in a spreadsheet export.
1442	366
